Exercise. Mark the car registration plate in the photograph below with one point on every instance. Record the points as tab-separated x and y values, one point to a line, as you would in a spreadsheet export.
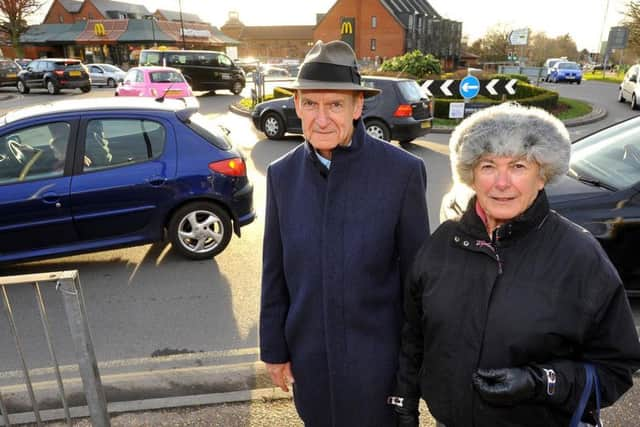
75	73
425	124
11	75
569	77
174	92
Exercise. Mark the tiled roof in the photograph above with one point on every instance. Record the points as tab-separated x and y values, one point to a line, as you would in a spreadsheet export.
174	15
71	6
132	10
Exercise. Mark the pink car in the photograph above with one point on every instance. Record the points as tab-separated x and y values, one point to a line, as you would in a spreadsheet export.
155	82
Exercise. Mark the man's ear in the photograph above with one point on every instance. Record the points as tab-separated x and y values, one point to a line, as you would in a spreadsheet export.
358	105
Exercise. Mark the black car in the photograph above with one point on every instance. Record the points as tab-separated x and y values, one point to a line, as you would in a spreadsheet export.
401	112
601	193
54	74
8	72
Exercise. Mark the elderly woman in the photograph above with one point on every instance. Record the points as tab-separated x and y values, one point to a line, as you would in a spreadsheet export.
506	305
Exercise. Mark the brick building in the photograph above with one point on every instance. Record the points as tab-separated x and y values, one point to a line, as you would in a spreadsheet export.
387	28
269	43
112	31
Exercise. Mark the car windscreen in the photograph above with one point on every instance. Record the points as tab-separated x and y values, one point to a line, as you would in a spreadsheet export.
150	58
611	156
209	131
410	90
165	77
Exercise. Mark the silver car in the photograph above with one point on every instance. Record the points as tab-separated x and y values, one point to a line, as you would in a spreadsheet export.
105	74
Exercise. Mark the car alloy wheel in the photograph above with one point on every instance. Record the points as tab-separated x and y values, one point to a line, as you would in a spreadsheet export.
273	126
111	83
22	87
200	230
237	87
51	88
378	129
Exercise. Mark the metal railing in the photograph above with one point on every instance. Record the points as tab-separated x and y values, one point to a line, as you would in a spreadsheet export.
67	283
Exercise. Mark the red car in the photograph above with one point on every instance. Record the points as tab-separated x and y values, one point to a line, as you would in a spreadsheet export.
155	82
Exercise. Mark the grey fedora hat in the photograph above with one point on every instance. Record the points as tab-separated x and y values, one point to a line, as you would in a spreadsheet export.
330	66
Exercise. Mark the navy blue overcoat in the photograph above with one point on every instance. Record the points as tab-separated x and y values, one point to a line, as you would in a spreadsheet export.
337	244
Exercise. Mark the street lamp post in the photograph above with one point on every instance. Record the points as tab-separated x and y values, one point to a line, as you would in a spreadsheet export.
184	46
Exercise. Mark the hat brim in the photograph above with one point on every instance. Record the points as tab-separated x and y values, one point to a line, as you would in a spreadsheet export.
302	84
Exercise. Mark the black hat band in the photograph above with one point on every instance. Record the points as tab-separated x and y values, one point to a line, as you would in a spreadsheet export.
324	72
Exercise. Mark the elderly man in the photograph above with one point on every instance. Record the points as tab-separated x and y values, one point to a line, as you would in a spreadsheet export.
345	215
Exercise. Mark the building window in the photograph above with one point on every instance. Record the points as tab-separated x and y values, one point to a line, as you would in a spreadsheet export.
374	22
61	19
373	44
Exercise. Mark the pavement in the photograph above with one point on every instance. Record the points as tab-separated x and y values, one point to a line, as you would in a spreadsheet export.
226	389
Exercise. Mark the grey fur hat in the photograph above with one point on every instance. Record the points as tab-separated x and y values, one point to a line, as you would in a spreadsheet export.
510	130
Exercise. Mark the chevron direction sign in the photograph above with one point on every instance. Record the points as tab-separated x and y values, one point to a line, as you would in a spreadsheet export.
447	88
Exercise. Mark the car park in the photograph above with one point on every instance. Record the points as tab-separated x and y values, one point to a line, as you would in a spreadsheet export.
401	112
204	69
566	71
54	74
105	75
156	82
94	174
8	72
601	193
629	89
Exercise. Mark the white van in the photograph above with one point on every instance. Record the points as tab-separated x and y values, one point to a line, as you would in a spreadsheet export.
629	88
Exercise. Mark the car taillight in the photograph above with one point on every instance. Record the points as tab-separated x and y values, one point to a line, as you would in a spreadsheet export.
232	167
403	110
59	73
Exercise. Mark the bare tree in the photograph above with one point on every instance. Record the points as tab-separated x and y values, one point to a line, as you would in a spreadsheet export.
13	18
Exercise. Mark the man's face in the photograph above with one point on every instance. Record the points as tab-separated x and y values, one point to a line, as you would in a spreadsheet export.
327	116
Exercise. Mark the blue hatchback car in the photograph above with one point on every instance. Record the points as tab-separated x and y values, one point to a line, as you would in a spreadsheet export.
566	71
87	175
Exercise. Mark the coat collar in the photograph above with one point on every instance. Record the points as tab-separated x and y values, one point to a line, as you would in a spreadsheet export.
357	141
530	219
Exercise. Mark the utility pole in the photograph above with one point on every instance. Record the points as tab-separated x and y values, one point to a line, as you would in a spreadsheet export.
184	46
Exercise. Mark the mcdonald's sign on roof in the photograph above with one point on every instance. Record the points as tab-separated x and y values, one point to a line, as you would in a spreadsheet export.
99	30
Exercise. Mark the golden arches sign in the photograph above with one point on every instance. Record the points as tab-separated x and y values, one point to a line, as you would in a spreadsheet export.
346	27
99	30
347	31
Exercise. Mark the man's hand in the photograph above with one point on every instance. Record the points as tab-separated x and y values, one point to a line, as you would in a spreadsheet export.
280	374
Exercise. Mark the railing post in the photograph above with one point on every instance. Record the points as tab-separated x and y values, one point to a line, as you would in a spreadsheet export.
87	364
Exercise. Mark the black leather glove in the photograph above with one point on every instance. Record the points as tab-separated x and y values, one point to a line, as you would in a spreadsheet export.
406	409
406	417
509	386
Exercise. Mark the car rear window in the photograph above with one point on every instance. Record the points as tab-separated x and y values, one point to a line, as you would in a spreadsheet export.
410	90
8	66
210	131
568	65
68	65
166	77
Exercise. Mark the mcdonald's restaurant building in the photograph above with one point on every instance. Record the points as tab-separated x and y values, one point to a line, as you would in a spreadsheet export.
115	32
388	28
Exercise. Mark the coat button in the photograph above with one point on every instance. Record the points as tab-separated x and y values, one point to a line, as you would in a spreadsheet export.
456	239
465	243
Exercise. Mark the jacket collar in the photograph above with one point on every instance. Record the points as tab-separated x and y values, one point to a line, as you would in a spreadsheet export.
530	219
357	141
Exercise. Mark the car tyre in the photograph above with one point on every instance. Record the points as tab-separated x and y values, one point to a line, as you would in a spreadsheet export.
86	89
634	102
237	87
620	96
111	83
578	81
51	87
200	230
22	87
273	126
378	129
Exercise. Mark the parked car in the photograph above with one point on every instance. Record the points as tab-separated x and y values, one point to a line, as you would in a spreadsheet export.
154	81
203	69
601	193
124	172
8	72
629	89
548	65
105	74
54	74
566	71
401	112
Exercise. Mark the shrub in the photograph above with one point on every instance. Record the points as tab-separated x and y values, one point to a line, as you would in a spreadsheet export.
415	63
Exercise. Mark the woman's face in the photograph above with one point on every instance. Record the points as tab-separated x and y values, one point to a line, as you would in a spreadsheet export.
505	187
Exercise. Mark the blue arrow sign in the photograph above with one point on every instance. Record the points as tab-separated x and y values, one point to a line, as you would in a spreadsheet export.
469	87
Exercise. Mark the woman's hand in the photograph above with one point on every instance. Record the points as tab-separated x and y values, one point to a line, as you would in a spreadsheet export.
507	386
281	375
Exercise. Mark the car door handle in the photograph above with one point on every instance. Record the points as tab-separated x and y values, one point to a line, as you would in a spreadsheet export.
157	181
51	198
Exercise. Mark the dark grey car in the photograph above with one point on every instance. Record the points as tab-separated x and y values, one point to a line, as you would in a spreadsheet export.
54	74
401	112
